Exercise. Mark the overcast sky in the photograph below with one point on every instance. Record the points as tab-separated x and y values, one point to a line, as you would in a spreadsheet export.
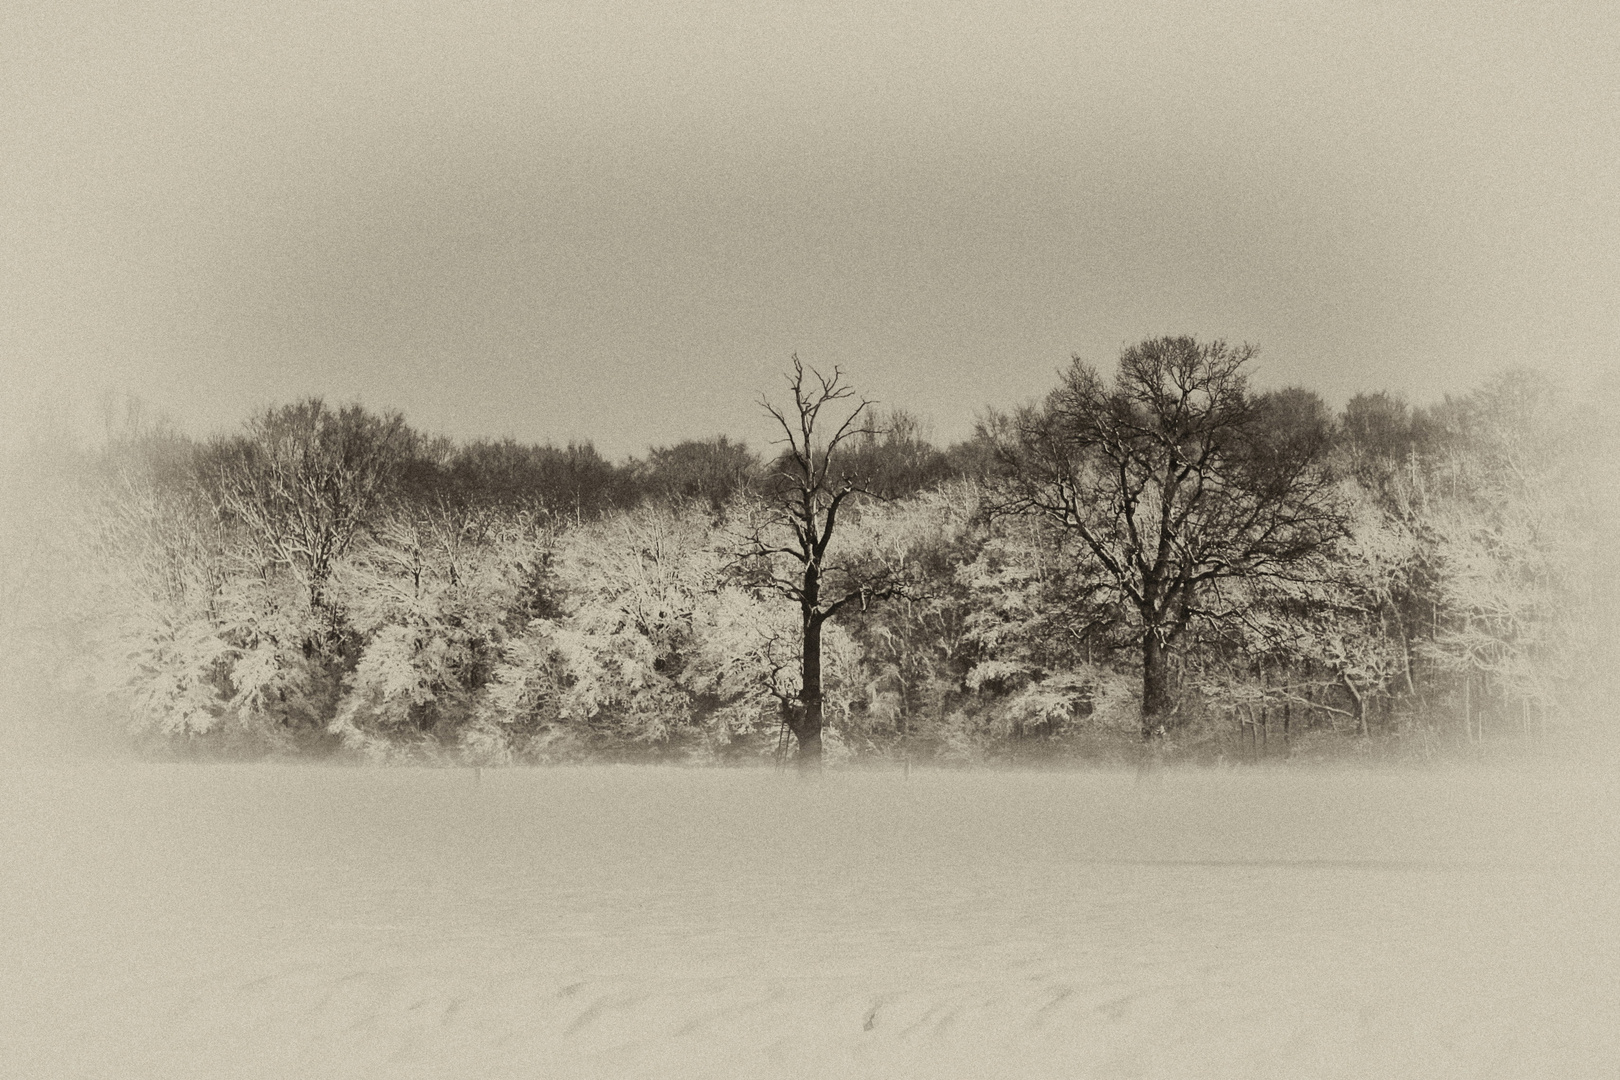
616	221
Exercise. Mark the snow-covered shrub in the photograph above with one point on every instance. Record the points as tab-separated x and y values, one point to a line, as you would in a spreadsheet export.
431	601
650	645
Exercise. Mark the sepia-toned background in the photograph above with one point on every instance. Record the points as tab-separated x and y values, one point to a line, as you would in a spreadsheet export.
614	221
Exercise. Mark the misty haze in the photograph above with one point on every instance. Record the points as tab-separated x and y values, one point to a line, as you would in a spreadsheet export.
746	541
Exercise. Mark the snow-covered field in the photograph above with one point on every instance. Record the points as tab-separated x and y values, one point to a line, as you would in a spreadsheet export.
290	922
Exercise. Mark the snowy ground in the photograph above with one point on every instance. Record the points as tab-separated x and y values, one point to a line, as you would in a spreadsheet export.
289	922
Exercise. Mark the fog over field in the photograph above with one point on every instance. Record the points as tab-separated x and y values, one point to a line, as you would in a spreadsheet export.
285	921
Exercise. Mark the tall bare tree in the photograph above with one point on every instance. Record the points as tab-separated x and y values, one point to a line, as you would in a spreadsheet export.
789	549
1170	481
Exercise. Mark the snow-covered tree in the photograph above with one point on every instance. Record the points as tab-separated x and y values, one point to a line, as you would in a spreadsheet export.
1169	480
305	480
1510	543
432	600
652	642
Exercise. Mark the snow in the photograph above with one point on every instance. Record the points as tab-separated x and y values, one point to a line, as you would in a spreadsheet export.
288	921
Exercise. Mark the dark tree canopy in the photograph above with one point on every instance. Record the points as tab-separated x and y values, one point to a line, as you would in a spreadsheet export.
1169	480
894	458
571	482
705	471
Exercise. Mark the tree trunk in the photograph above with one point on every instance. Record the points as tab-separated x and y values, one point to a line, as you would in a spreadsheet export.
1468	706
809	729
1358	704
1155	686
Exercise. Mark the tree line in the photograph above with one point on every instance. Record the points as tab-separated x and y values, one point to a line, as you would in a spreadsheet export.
1153	554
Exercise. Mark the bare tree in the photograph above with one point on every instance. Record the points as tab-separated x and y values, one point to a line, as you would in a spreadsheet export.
1171	481
788	549
305	480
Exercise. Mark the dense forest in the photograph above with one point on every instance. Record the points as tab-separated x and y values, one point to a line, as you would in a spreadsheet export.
1156	554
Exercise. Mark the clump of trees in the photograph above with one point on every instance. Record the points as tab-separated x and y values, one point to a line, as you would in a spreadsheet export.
1155	554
